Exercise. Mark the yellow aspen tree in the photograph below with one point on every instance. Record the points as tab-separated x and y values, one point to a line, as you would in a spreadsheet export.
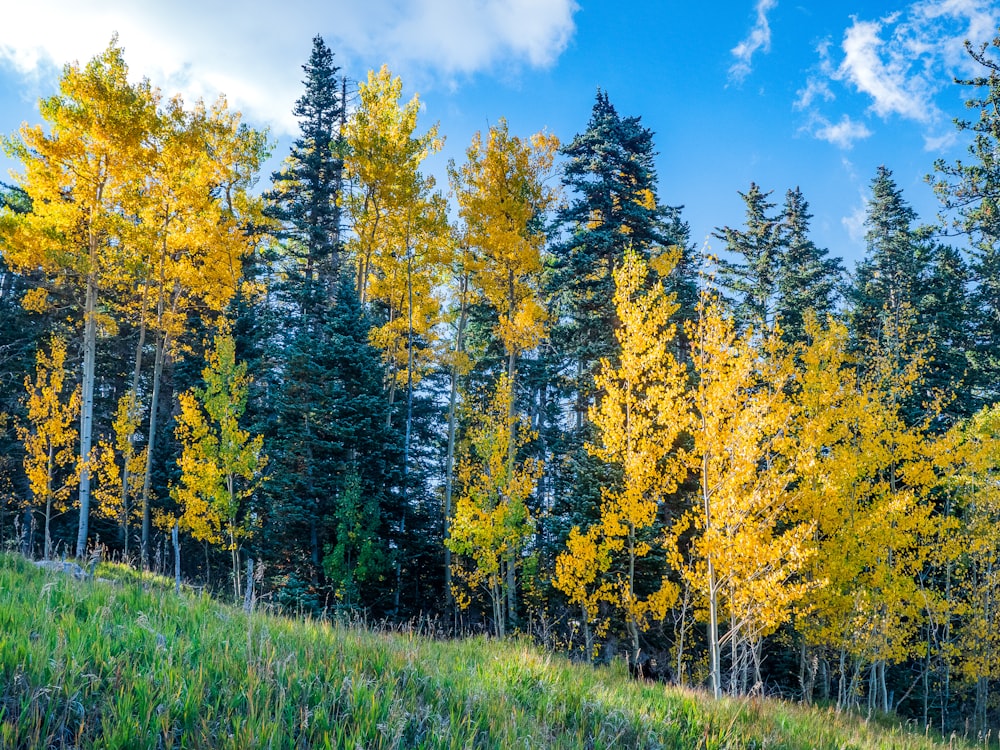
747	553
221	464
120	469
83	175
502	198
866	484
191	233
492	520
401	238
971	466
641	415
49	438
580	574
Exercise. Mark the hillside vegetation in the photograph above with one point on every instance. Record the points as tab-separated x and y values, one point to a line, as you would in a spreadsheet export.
119	665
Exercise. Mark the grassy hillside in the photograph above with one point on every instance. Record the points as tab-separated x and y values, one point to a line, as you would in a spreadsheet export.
100	665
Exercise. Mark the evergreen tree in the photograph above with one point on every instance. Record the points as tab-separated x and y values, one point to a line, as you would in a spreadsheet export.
970	192
613	204
908	284
304	197
948	326
887	279
751	277
807	279
330	438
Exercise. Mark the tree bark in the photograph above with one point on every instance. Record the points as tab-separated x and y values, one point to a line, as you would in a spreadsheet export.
450	460
87	398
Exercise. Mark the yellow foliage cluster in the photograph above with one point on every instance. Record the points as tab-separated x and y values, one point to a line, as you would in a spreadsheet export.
50	436
492	520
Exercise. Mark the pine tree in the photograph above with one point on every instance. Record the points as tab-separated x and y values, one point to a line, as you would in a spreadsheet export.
907	282
330	431
305	192
807	279
613	204
970	192
611	182
887	280
751	278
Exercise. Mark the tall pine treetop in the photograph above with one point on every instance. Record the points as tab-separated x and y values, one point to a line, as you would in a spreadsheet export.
304	196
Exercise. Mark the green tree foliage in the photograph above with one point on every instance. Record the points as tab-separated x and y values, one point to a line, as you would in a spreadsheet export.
612	203
305	191
331	427
807	279
751	277
970	192
221	463
907	282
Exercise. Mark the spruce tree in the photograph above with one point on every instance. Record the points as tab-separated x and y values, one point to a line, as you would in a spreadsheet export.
909	299
303	199
612	184
750	279
807	279
969	192
332	454
887	280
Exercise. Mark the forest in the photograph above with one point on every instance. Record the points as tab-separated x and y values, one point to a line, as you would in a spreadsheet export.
523	403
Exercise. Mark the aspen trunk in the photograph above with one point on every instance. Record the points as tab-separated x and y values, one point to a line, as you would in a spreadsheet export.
150	447
450	460
87	398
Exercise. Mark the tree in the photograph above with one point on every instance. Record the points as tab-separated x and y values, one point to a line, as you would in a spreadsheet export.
502	198
906	281
306	190
806	278
867	478
330	426
192	238
611	181
492	519
120	468
640	417
887	279
747	551
402	238
970	193
220	463
81	178
752	277
50	440
974	466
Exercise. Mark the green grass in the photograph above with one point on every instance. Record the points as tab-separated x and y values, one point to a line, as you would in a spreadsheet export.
120	665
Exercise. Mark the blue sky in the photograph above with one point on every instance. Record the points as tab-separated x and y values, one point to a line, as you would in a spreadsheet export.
809	94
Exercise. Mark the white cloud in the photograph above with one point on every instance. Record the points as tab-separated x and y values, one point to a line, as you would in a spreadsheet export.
843	133
816	88
889	82
903	60
759	38
255	55
940	142
899	64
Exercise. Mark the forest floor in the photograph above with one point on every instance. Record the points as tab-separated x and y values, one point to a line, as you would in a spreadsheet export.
127	663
